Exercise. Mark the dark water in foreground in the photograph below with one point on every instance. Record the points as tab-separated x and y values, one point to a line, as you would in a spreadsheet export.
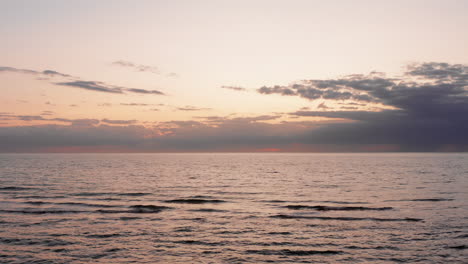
234	208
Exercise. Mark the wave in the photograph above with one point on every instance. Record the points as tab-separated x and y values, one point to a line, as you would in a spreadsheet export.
422	200
38	212
15	188
137	209
283	216
336	208
127	218
148	208
40	197
71	203
459	247
196	242
341	202
208	210
110	194
334	202
33	241
289	252
102	235
195	201
275	201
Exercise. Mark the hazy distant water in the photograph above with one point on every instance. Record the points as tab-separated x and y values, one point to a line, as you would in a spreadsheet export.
233	208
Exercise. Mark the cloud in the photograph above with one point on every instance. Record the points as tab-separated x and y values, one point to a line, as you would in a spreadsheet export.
118	122
140	104
93	86
424	116
142	91
426	109
137	67
172	75
323	106
16	70
134	104
102	87
235	88
47	113
439	71
78	83
143	68
54	73
27	71
192	108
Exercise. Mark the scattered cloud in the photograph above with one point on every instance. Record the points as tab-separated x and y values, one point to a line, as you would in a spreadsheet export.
143	91
54	73
33	72
135	104
93	86
172	75
76	82
192	108
102	87
137	67
323	106
47	113
235	88
143	68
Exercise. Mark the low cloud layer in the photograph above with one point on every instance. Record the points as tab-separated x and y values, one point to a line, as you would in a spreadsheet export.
426	109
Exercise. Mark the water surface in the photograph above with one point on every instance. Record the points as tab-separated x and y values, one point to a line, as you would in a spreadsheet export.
233	208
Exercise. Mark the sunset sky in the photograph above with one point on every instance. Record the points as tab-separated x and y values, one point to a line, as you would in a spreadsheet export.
209	76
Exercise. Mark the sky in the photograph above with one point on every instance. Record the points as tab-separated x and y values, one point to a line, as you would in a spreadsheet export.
233	76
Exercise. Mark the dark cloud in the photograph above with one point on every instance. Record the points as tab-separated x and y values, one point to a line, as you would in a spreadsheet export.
142	91
16	70
93	86
323	106
78	83
102	87
30	118
54	73
240	134
439	71
27	71
118	122
424	110
424	115
235	88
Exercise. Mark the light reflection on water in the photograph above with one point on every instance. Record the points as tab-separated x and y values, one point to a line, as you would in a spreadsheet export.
233	208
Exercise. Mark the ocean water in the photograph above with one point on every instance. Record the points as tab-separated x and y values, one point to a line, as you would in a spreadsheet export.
234	208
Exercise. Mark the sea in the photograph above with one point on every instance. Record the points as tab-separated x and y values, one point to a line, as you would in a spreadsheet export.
234	208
